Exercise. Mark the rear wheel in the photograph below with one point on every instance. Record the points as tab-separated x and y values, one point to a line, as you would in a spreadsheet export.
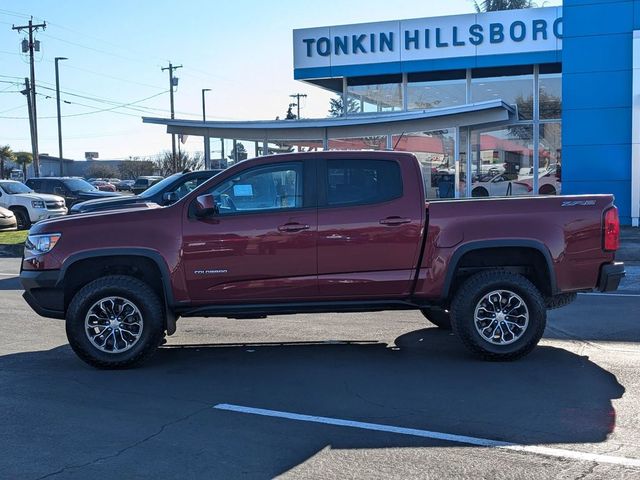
480	192
438	316
498	315
115	322
22	218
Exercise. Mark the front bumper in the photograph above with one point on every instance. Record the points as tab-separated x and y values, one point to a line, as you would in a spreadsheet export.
610	276
43	292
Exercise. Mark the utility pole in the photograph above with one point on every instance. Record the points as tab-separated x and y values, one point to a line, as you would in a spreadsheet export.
298	96
30	47
57	59
207	146
34	147
172	82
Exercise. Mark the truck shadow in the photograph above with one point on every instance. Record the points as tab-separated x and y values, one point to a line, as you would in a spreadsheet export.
424	381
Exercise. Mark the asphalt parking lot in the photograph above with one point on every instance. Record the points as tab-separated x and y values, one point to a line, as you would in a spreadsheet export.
398	399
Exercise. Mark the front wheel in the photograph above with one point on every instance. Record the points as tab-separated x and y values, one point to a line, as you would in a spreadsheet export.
498	315
22	218
115	322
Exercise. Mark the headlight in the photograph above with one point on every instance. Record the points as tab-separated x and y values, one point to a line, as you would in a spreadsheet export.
44	243
37	203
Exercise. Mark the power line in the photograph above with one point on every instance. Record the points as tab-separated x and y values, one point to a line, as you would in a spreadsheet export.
110	109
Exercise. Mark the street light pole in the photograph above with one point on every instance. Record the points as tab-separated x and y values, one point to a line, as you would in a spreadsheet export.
207	146
57	59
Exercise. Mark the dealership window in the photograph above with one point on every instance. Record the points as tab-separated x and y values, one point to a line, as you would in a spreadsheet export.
436	152
372	142
550	171
513	85
374	94
436	89
502	161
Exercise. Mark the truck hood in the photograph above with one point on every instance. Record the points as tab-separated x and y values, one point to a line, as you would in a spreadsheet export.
104	202
97	194
38	196
87	220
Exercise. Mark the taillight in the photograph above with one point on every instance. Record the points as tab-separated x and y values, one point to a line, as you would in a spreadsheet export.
611	239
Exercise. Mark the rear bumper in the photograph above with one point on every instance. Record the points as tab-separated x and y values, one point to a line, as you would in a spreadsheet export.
610	276
43	292
8	223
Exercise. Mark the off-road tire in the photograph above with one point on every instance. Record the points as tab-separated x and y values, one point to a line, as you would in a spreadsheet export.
132	289
471	292
438	316
22	218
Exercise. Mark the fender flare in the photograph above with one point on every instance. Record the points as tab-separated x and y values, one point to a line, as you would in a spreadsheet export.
148	253
483	244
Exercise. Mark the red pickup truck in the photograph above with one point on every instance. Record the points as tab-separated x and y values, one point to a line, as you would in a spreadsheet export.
320	232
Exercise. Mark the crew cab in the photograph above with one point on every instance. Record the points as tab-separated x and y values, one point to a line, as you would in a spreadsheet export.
320	232
27	206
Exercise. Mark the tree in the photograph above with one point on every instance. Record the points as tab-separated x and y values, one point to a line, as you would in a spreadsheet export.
336	108
242	153
100	171
495	5
5	154
290	115
164	162
23	159
134	168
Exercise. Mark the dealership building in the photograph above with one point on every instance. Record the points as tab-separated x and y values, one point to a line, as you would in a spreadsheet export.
538	101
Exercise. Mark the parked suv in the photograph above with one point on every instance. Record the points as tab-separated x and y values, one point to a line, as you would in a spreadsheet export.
73	190
165	192
29	207
142	183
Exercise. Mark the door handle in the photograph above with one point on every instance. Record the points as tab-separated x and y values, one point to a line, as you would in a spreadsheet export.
293	227
392	221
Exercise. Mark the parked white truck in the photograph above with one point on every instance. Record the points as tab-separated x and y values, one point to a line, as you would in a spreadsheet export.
29	207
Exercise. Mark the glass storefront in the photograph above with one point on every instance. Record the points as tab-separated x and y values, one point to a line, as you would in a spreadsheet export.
513	86
436	152
386	95
436	90
502	162
550	172
519	158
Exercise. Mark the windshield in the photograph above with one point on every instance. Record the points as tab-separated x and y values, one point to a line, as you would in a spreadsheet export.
79	185
13	188
161	185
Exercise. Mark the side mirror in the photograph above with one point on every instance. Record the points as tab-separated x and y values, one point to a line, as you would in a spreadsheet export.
170	197
58	191
206	206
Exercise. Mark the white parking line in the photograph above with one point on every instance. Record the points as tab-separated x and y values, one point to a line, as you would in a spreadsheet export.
481	442
9	274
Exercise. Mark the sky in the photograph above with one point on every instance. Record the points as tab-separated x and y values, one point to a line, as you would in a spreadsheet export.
241	50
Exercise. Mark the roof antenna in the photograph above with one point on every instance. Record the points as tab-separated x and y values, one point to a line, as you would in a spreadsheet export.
398	141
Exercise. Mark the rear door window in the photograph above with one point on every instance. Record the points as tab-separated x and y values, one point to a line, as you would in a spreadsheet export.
360	182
